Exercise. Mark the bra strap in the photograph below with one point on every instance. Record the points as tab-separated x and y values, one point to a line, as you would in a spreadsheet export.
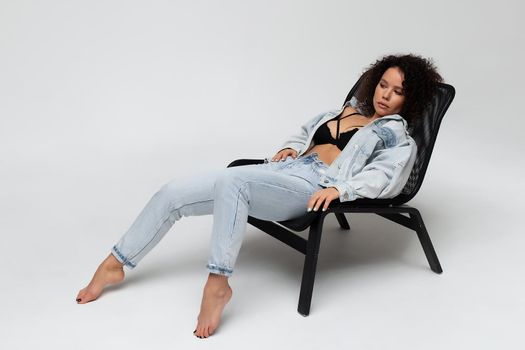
351	114
338	119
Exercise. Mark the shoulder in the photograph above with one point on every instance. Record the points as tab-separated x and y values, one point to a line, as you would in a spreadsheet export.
392	129
353	105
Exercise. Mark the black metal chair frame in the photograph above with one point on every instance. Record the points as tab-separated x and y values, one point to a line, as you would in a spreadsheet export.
393	209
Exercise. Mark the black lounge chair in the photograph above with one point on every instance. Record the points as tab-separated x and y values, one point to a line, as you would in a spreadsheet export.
424	133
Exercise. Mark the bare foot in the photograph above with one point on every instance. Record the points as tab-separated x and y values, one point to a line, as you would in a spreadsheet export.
217	293
110	271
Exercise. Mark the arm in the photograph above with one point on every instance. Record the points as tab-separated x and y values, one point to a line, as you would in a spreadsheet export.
384	175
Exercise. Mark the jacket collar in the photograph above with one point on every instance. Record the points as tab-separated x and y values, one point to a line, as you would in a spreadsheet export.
378	121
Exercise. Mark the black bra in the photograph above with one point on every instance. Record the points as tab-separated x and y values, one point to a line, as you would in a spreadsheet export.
322	135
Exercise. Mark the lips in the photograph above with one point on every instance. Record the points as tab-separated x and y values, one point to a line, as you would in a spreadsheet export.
382	105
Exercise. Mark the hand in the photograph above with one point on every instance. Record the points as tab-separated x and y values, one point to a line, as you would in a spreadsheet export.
325	195
282	155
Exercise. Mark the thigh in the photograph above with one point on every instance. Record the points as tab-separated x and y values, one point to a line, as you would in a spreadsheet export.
276	191
193	193
273	193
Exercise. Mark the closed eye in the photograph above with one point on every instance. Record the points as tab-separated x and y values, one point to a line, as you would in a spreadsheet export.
384	85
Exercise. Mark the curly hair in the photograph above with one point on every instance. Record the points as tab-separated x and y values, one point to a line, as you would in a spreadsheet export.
419	85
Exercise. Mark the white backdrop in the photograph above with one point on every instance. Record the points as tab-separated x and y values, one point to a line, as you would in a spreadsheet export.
102	102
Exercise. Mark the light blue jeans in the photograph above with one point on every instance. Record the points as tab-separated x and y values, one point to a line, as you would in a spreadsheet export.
273	191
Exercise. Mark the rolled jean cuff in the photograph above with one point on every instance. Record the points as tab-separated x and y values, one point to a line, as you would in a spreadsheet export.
121	258
219	270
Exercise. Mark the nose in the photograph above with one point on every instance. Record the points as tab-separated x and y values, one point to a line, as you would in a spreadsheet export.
386	94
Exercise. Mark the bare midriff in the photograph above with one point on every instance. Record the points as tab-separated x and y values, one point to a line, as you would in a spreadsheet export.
328	152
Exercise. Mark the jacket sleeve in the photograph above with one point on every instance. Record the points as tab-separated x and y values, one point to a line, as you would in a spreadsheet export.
298	141
383	176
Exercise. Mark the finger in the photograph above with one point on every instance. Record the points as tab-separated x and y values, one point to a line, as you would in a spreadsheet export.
318	203
311	202
326	203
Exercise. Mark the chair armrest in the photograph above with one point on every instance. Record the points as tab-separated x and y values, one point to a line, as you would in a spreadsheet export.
239	162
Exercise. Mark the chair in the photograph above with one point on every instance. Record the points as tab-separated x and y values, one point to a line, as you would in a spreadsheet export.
394	209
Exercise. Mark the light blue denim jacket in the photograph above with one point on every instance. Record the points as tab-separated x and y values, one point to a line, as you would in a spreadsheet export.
376	162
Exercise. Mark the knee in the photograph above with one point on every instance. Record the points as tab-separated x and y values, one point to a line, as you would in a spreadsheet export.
168	193
230	181
168	188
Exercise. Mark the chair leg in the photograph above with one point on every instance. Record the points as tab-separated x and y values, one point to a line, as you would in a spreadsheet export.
310	264
342	221
425	241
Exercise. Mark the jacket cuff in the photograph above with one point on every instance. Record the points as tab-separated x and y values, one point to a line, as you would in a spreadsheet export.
346	193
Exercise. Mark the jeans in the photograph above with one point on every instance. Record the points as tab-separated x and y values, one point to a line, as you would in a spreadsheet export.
272	191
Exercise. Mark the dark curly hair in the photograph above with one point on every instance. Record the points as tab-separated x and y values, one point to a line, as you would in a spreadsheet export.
419	85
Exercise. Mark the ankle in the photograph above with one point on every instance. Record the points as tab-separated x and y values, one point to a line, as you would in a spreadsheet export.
111	263
217	284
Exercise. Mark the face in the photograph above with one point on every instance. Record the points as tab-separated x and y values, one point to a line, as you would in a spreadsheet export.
389	95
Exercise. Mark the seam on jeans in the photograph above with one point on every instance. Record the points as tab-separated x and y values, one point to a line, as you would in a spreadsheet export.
243	186
311	166
170	210
276	185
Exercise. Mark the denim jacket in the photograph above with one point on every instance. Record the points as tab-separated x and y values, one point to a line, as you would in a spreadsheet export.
376	162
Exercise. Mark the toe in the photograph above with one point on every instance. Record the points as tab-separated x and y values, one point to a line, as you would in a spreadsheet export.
198	332
80	295
87	297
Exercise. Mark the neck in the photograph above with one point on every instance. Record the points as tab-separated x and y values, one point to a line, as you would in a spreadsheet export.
374	116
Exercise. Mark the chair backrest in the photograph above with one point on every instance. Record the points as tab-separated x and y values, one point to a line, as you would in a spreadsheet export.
424	131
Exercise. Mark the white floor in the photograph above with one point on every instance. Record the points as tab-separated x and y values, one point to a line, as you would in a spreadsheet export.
102	102
374	289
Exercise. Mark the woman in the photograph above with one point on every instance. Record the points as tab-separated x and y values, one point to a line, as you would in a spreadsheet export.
362	150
